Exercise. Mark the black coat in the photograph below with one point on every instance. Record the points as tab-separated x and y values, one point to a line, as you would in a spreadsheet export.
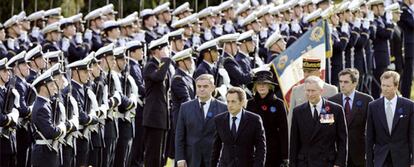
247	149
313	144
273	113
356	126
400	144
157	80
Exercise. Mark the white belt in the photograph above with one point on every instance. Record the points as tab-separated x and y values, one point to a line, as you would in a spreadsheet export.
43	142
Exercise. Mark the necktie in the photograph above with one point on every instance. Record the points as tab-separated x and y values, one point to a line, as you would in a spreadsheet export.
315	113
389	115
202	109
347	109
233	127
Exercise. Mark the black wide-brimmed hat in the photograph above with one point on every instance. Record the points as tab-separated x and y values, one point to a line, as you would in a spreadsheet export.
263	77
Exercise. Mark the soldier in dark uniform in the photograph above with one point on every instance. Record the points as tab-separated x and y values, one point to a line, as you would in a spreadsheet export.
148	25
8	118
228	17
176	41
247	48
182	90
209	56
156	115
4	53
73	48
396	41
36	63
407	25
353	30
23	136
52	34
97	136
93	34
127	28
273	113
136	55
112	100
80	91
380	43
13	31
275	45
126	109
182	11
235	72
163	18
205	16
47	127
111	32
37	23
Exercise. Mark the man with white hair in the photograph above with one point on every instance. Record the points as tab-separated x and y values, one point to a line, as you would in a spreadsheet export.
318	133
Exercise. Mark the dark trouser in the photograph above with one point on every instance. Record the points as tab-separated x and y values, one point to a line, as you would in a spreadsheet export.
110	139
23	139
82	152
43	157
95	157
137	152
8	151
123	150
407	77
154	146
68	156
376	88
388	161
8	160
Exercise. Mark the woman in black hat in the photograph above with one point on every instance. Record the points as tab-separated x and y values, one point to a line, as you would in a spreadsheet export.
273	113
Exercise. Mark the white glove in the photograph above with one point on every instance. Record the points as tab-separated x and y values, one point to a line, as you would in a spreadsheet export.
14	115
228	27
370	16
388	17
263	34
196	40
62	127
225	75
65	44
345	28
285	27
62	110
16	98
160	30
275	27
139	37
366	24
207	35
23	36
75	111
357	22
117	81
88	35
295	26
10	43
181	163
412	7
391	66
219	30
117	97
35	32
78	38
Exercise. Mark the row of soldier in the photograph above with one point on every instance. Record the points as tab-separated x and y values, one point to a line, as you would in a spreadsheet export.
264	32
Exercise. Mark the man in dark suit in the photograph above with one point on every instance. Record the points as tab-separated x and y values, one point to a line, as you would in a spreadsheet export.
355	104
195	128
407	26
390	130
318	134
240	139
156	115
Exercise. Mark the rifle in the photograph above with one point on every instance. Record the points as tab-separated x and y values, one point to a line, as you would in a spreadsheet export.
8	106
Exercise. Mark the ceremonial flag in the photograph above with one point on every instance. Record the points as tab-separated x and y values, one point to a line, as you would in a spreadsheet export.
315	43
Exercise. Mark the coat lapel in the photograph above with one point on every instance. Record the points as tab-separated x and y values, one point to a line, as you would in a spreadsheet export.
354	108
198	112
211	111
396	115
317	125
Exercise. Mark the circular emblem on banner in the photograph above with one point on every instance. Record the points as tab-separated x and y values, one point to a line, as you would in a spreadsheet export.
317	34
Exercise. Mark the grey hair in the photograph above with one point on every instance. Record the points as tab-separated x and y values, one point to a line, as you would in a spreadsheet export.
207	77
315	80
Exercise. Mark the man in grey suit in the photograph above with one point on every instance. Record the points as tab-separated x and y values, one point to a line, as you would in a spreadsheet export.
311	67
195	127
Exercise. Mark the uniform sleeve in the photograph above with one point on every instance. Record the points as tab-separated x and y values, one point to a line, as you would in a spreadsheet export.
180	89
157	74
44	124
237	76
24	109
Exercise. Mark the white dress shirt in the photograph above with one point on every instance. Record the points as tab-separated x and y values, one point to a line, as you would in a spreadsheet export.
239	115
318	107
205	107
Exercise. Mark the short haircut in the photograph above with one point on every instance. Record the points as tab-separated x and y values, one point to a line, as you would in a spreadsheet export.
352	72
208	77
391	74
315	80
239	91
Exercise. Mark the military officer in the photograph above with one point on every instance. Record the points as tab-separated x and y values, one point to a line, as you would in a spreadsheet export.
21	71
275	45
207	24
93	33
47	128
72	43
163	18
209	56
53	15
13	32
247	47
112	33
36	63
149	21
52	35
